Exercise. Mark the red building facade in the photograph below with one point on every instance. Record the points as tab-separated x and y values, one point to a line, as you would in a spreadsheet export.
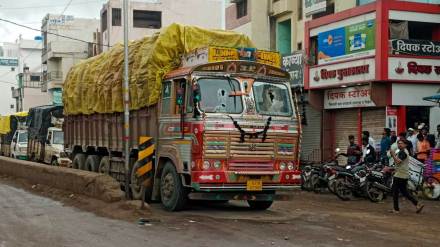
369	68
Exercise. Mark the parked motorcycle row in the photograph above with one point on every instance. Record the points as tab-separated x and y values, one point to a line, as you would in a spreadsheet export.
370	180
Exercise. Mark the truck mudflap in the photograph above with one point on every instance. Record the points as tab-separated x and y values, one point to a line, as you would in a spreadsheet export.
240	196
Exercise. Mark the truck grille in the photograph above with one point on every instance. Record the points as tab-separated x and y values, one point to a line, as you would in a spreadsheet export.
220	144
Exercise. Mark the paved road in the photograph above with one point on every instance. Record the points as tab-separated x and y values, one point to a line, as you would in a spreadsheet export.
27	219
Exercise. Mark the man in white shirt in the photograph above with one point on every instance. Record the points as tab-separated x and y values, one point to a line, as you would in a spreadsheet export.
412	137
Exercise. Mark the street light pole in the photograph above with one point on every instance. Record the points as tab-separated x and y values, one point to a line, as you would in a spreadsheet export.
126	99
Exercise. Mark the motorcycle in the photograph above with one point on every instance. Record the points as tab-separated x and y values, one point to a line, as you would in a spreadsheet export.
378	183
325	177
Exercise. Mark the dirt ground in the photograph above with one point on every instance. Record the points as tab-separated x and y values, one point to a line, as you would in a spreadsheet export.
35	215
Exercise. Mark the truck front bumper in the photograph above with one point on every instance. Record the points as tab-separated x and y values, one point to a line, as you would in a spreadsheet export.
240	196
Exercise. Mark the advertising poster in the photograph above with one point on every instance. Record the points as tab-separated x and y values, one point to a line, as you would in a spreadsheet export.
391	119
353	41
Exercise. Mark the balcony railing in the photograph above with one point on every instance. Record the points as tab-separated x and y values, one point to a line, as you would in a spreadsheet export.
52	76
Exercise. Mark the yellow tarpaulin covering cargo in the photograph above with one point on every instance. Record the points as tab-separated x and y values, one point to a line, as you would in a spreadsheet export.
95	85
5	122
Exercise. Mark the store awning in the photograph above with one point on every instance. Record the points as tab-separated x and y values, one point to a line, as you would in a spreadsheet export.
433	98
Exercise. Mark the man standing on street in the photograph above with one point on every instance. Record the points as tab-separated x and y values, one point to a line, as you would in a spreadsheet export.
371	141
354	152
385	145
412	137
401	176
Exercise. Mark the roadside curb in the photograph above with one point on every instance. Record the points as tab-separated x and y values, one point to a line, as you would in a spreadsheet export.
99	186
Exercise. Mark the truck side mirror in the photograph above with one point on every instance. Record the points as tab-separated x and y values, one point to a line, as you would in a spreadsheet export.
197	95
179	96
47	141
15	139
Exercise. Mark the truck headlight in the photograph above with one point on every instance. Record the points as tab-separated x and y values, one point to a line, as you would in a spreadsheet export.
282	166
206	165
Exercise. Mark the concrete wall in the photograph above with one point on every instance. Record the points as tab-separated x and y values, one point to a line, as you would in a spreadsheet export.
91	184
260	24
341	5
8	79
34	97
203	13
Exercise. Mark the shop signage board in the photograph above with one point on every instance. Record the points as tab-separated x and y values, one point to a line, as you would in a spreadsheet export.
8	62
415	47
314	6
413	69
342	73
217	54
349	97
294	64
347	42
391	118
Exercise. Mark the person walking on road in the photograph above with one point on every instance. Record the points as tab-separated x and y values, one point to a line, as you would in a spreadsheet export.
401	176
385	144
354	152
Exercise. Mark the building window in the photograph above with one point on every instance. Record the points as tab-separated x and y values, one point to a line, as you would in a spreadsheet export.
147	19
300	10
300	46
241	8
104	21
12	68
362	2
35	78
116	17
328	11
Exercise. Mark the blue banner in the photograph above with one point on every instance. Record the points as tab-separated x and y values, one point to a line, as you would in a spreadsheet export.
331	43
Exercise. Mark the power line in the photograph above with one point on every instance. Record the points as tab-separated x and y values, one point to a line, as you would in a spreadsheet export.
48	6
59	35
67	6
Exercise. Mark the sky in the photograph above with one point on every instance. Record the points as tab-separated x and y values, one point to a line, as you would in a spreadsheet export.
31	12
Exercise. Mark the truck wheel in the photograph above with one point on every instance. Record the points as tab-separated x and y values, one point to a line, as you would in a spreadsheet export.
78	161
92	163
260	205
104	165
172	192
135	182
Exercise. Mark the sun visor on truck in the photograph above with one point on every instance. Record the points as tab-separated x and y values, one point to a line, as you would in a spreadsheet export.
94	85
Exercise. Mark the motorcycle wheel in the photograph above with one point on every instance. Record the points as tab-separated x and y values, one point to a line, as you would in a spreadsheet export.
373	193
306	182
315	183
343	192
331	185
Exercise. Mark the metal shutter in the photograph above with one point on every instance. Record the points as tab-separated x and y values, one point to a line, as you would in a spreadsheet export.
346	123
373	120
311	135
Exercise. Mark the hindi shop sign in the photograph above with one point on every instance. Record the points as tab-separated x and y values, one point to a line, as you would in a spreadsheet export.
415	47
8	62
410	69
348	97
343	73
294	65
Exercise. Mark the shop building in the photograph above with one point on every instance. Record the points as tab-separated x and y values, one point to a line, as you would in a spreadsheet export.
369	67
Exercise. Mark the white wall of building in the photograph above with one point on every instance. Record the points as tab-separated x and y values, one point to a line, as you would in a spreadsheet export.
8	78
203	13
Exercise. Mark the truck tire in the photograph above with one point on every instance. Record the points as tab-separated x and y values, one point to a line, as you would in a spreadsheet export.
92	163
78	161
54	162
173	195
135	182
260	205
104	165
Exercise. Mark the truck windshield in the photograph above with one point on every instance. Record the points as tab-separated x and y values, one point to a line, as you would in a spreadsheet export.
272	99
22	137
216	95
58	137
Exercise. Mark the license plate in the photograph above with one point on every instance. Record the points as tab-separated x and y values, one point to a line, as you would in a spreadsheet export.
254	185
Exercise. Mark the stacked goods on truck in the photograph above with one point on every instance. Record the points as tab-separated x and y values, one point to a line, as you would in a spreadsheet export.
13	135
46	137
215	123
